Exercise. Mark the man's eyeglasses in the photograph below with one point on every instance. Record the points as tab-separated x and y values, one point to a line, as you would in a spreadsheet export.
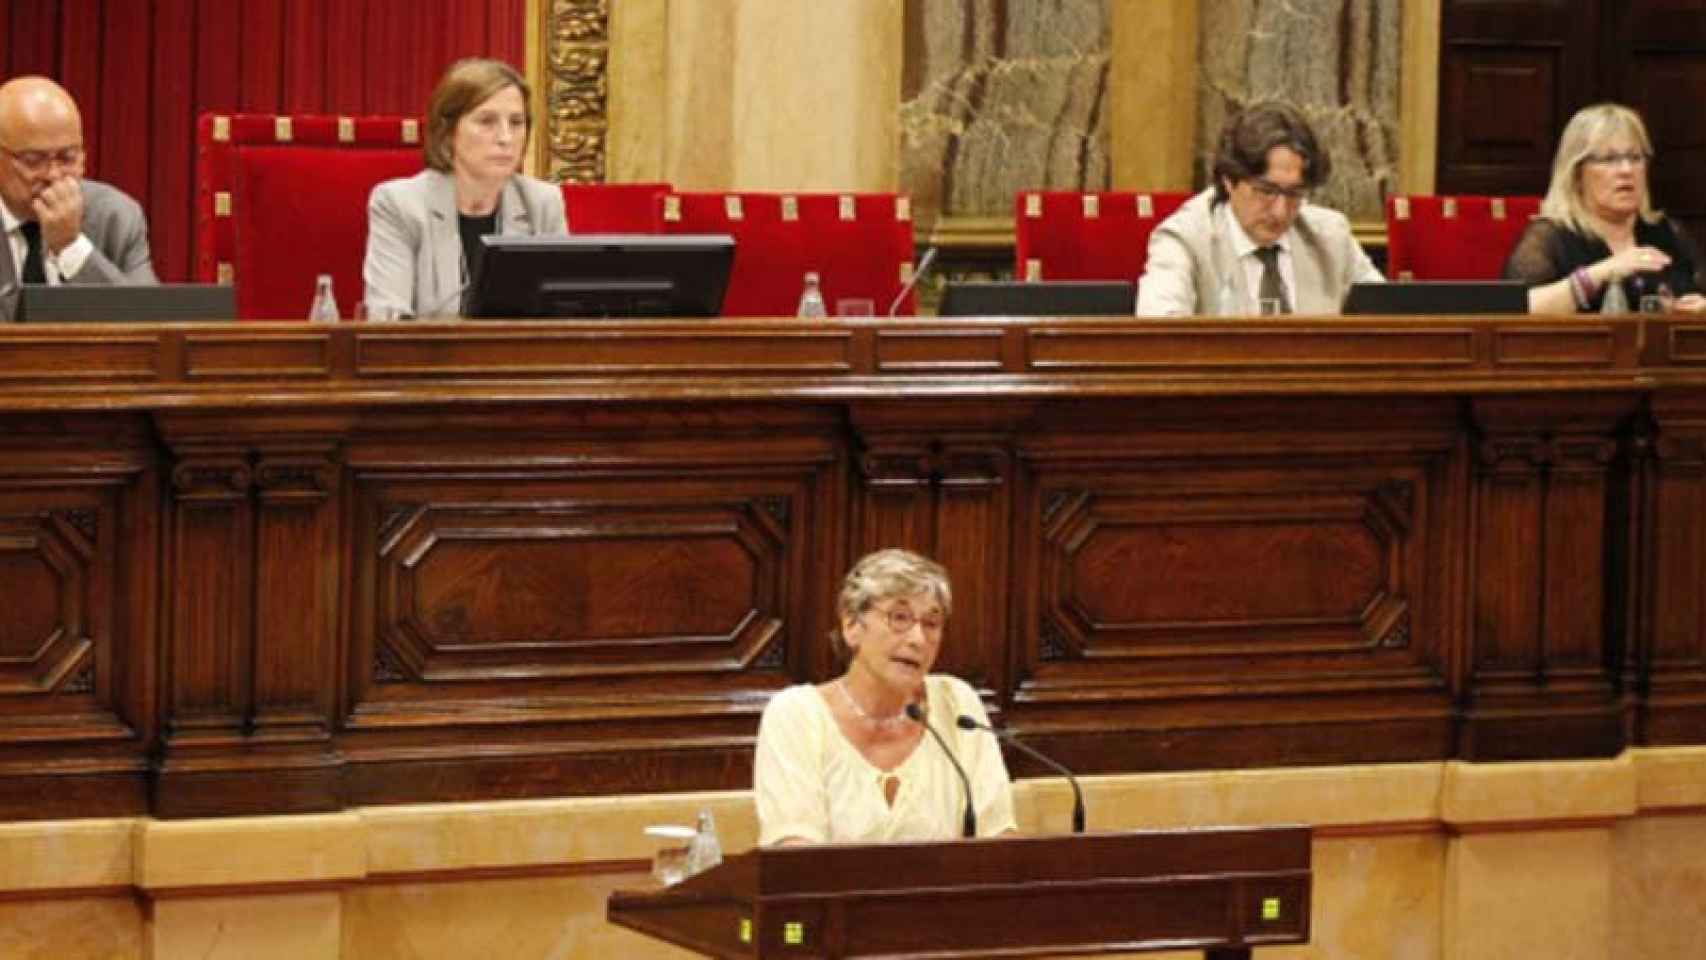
902	620
38	161
1270	191
1633	158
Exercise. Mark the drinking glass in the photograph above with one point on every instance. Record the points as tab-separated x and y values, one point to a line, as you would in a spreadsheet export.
855	307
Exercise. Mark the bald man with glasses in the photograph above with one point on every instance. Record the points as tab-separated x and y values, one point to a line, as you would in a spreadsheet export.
1252	243
59	227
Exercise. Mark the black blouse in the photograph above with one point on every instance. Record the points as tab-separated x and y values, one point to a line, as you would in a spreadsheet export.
1549	251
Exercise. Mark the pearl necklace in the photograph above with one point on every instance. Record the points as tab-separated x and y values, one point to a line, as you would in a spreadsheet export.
880	722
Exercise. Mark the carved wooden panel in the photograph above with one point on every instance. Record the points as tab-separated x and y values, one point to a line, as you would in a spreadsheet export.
1669	642
1511	73
75	617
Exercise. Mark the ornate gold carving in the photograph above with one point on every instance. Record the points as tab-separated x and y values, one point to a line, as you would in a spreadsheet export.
577	89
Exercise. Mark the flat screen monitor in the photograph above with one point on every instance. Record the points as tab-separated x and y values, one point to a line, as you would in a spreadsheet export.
126	303
1438	297
1032	298
602	275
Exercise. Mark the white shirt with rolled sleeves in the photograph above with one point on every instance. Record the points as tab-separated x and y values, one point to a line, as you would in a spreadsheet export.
810	782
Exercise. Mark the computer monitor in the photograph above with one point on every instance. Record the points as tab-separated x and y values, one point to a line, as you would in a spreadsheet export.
1034	298
602	275
125	303
1438	297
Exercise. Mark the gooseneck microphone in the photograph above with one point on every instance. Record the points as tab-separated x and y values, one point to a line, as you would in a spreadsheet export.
917	275
966	722
969	827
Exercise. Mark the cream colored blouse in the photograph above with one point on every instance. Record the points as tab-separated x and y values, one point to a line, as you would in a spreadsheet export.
810	782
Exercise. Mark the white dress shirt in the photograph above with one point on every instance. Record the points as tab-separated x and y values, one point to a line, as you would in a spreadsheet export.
59	268
1245	250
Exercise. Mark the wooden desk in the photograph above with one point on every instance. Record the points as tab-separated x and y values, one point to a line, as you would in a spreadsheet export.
283	568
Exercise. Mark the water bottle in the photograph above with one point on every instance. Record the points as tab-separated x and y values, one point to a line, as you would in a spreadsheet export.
811	298
325	308
1616	301
704	851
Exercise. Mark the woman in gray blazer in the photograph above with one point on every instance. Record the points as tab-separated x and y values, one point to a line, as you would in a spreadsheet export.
423	231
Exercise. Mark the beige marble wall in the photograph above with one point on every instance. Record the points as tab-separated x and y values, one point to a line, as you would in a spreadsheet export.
1336	60
1600	859
1000	96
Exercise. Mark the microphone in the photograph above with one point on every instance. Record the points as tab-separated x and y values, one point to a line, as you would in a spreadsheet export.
968	723
917	275
969	827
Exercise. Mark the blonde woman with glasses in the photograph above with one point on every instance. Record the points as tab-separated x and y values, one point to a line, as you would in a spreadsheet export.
846	761
1598	244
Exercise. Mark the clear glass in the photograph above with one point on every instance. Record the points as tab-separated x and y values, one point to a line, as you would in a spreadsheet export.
1654	303
376	313
670	861
1270	306
855	307
706	850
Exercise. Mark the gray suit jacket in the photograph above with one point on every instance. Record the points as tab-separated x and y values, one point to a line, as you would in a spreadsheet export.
414	259
1191	258
114	224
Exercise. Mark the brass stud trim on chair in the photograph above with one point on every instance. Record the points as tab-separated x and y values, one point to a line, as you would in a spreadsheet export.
1401	208
1033	269
846	208
1145	206
672	209
225	274
790	208
1448	208
732	207
411	131
1033	205
1498	208
1092	206
346	130
221	129
903	208
281	129
222	203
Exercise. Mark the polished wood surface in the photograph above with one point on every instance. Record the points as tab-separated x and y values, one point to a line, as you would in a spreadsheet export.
1220	891
285	567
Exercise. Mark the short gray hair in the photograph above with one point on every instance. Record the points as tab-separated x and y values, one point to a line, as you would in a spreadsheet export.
889	573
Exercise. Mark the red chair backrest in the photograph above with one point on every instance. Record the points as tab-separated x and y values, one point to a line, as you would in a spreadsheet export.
614	207
860	245
283	198
1068	235
1453	238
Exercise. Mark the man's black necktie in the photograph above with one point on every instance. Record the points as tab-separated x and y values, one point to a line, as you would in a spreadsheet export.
33	272
1273	285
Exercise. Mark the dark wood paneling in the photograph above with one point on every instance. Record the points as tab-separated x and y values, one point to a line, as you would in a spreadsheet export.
297	568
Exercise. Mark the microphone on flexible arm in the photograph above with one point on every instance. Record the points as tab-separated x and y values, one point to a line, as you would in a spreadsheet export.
966	722
917	275
917	714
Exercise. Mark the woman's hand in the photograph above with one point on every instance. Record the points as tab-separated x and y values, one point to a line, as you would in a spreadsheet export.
1632	261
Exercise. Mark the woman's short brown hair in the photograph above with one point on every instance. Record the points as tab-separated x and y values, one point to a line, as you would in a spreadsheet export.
467	84
1258	128
882	575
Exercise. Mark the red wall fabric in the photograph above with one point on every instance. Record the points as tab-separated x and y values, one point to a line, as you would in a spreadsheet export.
142	72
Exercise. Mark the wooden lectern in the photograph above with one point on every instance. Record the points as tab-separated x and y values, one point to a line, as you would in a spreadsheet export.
1222	891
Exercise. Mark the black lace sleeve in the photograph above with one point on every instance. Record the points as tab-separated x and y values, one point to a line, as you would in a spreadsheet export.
1541	255
1691	268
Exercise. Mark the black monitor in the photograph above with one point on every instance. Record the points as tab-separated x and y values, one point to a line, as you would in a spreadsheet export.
1033	298
602	275
1438	297
125	303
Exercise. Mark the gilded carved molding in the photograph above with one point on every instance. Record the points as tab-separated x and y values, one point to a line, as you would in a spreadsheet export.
576	89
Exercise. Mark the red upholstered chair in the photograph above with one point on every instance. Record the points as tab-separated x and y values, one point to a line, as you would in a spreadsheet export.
614	207
281	199
1453	238
860	244
1067	235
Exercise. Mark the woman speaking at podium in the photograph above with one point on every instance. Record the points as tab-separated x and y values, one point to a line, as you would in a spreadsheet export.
848	760
423	232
